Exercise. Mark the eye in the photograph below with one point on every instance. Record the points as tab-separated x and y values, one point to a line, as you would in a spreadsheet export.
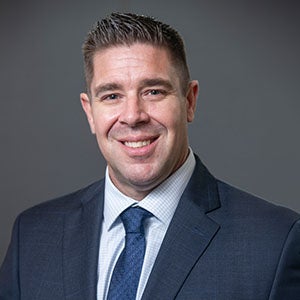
154	94
111	97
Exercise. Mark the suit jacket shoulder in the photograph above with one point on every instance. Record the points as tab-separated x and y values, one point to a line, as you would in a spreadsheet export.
54	249
245	206
67	202
224	243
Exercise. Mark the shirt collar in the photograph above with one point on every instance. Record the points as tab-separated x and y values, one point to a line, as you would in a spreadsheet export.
161	202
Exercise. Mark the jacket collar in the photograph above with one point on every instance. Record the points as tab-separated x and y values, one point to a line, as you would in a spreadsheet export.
189	234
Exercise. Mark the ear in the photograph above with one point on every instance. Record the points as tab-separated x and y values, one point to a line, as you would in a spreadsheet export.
191	99
87	107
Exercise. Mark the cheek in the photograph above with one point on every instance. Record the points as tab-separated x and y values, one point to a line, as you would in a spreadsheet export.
167	112
172	116
104	120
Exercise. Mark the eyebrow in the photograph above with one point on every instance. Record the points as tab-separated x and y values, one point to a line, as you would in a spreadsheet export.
156	81
107	87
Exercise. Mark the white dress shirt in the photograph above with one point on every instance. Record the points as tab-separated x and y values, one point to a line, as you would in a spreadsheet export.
161	202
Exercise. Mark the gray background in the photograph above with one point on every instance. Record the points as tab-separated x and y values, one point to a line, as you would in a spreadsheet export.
244	53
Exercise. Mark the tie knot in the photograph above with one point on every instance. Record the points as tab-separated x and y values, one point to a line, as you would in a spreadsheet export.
133	219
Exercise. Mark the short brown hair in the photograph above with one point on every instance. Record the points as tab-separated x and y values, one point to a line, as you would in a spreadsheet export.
127	29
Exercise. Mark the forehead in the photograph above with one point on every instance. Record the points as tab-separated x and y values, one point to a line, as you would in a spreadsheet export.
129	61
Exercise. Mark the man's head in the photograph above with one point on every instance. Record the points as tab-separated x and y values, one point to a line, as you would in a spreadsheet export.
137	105
128	29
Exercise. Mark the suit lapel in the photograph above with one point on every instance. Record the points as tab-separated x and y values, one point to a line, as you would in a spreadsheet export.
188	236
81	244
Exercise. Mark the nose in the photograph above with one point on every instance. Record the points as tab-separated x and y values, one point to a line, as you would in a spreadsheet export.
134	112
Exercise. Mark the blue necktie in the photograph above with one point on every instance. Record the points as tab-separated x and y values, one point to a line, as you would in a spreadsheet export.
125	278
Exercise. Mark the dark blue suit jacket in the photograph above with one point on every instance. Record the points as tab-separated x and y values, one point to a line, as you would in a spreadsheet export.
222	243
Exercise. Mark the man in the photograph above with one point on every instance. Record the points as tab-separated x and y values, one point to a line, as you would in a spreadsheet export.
159	226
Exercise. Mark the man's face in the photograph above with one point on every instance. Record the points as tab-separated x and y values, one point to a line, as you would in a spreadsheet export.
139	115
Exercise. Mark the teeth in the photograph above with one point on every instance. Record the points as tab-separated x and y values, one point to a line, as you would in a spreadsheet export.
138	144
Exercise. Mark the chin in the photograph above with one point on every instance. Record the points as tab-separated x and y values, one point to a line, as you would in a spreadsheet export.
146	182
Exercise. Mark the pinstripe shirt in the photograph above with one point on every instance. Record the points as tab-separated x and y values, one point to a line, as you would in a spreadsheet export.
161	202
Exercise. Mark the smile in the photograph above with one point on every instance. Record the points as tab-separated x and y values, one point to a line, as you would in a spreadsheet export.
137	144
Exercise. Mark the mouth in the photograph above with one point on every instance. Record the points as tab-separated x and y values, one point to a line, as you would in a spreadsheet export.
137	144
141	142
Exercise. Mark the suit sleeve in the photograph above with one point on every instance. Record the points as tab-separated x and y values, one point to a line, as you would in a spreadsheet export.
286	283
9	279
